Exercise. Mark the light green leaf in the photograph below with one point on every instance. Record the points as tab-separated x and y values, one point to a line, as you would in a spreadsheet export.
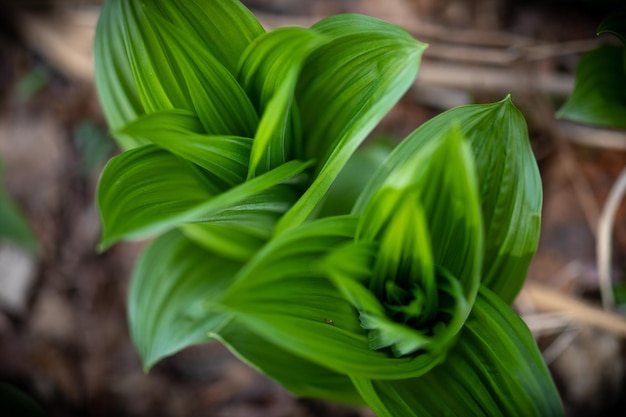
114	79
147	190
172	66
599	95
180	132
238	233
283	293
440	182
495	369
269	71
224	27
211	91
426	221
230	240
346	87
165	304
300	376
508	180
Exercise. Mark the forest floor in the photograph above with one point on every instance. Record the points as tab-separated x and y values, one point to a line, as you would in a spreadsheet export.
63	334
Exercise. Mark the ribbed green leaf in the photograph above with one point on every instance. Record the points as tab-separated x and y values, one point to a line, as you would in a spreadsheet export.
426	213
165	304
224	27
599	95
509	186
156	79
114	78
211	91
179	132
495	369
346	87
167	66
283	294
148	190
300	376
270	68
440	181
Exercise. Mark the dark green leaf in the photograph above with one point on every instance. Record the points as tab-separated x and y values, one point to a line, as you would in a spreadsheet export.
599	96
13	225
14	402
615	23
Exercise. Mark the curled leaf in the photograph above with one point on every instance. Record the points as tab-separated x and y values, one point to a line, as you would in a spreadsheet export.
495	369
508	182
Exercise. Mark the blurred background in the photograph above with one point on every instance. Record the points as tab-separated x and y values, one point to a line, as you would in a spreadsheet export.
63	334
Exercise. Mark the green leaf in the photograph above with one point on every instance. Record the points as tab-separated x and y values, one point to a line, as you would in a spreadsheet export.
165	304
147	190
238	233
269	71
211	91
495	369
179	132
284	294
310	380
173	66
425	219
346	87
440	182
615	23
14	226
230	240
599	95
353	177
224	27
14	402
114	78
509	186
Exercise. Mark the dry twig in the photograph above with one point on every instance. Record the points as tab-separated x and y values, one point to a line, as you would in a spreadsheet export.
549	301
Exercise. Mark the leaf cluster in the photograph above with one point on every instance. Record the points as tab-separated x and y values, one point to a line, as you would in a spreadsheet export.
238	142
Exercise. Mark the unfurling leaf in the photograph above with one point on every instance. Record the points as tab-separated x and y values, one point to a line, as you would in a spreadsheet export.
495	369
508	181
